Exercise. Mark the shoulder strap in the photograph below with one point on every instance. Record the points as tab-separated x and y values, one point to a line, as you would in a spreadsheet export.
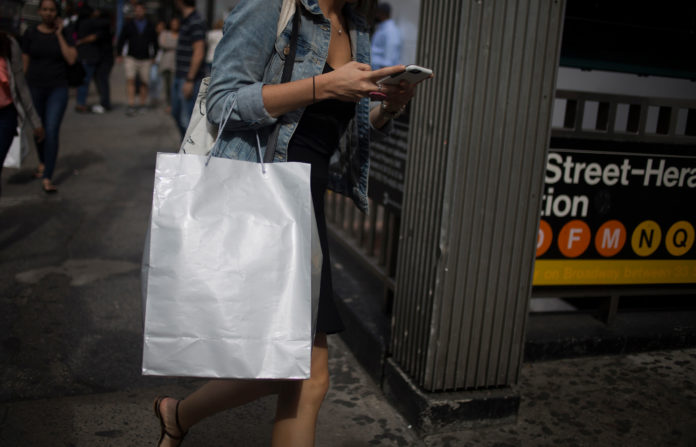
287	73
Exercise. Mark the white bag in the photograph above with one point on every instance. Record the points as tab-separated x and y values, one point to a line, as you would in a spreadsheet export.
18	150
231	269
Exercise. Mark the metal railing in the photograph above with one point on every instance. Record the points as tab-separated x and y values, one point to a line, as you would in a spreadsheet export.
624	118
372	239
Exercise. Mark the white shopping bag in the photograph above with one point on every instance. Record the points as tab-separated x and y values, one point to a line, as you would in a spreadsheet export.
18	150
228	269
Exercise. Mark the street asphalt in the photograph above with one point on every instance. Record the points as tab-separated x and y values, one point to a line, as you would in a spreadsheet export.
71	329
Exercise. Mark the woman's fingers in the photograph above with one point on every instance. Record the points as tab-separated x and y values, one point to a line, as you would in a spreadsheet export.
360	66
401	93
386	71
354	81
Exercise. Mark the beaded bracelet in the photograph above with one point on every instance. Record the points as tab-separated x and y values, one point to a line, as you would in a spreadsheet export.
392	114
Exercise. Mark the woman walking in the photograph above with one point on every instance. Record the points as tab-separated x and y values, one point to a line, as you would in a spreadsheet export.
47	53
324	109
15	100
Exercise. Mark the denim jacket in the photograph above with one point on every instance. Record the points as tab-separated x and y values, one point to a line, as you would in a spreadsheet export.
249	56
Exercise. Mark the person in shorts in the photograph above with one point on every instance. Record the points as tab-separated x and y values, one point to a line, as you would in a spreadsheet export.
141	38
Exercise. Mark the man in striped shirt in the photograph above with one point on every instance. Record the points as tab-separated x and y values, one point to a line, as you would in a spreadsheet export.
190	51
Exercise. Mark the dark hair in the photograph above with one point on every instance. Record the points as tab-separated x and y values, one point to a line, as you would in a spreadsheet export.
84	11
5	45
189	3
384	8
55	3
365	7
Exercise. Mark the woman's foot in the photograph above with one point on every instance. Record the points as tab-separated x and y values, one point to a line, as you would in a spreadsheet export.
48	187
167	411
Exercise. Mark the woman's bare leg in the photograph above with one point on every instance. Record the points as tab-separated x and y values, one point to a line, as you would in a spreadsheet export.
299	402
211	398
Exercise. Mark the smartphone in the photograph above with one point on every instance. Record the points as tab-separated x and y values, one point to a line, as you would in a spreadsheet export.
413	75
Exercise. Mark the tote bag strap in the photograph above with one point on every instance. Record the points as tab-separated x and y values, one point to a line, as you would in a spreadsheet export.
286	12
287	73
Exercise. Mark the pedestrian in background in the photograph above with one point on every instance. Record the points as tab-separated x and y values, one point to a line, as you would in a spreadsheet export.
190	54
325	105
386	42
47	53
212	38
105	42
86	29
140	36
155	78
167	43
70	18
16	105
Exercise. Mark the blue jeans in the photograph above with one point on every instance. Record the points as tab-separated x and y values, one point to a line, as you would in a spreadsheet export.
154	83
50	104
183	107
8	127
82	90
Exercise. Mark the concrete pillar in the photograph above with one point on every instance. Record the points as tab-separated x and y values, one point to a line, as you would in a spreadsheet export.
478	142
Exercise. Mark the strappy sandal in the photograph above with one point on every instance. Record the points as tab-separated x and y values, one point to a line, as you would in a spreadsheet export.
48	187
164	432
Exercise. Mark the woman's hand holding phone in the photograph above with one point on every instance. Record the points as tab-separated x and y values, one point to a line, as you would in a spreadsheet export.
401	83
395	91
352	81
413	74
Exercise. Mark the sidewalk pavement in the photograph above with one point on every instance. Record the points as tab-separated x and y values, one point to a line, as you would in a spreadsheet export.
70	330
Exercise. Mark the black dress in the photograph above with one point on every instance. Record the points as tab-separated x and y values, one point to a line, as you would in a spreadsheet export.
314	141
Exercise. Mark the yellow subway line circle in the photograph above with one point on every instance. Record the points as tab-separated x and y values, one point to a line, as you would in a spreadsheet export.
646	238
680	238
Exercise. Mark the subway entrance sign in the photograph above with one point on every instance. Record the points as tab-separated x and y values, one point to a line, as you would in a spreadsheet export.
616	213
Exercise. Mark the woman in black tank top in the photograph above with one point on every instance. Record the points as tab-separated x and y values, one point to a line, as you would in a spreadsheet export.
315	140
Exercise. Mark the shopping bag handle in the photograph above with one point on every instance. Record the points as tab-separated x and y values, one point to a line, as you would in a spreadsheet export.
227	111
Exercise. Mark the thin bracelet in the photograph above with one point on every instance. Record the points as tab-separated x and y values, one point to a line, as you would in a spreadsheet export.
393	115
314	88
